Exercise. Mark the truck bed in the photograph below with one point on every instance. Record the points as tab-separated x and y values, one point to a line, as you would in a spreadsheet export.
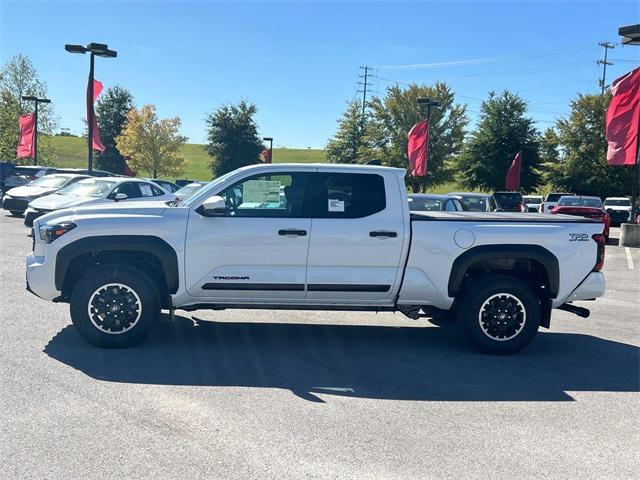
497	217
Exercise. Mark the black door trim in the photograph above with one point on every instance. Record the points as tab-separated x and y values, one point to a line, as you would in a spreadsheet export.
296	287
347	287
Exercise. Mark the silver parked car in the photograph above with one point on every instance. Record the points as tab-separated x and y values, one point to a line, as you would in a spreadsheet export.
95	190
421	202
477	202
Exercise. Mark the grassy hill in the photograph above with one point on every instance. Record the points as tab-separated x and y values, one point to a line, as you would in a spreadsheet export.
71	152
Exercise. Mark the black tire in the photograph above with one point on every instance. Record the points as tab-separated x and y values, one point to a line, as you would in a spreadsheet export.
500	314
135	300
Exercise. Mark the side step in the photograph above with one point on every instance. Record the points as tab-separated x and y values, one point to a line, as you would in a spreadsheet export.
579	311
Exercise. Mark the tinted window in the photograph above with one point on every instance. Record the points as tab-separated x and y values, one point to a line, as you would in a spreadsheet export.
130	189
506	200
625	202
450	206
474	203
580	202
554	197
348	195
156	191
422	204
280	195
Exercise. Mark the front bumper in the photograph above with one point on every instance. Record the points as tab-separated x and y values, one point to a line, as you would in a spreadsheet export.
15	204
41	277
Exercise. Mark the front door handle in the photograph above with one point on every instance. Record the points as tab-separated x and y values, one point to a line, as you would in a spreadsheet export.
382	233
292	231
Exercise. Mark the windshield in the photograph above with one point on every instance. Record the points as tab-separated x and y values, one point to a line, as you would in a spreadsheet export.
90	187
580	202
623	202
418	204
188	190
530	199
49	181
554	197
474	203
205	189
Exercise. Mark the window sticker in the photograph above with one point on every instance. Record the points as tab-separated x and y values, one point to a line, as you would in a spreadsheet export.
146	190
261	191
336	205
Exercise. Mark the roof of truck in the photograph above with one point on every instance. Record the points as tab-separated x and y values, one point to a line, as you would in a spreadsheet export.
313	166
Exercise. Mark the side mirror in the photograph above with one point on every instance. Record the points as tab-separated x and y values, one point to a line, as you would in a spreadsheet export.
120	196
213	206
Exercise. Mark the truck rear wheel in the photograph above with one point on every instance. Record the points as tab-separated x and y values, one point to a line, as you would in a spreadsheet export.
115	306
500	314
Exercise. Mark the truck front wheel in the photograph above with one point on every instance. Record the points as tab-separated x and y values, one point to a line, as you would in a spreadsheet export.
115	305
500	315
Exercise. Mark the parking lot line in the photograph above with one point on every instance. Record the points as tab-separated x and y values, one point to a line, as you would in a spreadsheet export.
629	258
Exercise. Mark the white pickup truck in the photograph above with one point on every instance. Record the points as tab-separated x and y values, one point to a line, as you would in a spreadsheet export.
321	237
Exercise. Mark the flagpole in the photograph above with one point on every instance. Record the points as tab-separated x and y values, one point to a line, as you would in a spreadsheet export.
90	115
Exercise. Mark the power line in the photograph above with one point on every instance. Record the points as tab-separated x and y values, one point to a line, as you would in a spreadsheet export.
604	63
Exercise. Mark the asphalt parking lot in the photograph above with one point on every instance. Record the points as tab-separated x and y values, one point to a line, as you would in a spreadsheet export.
261	394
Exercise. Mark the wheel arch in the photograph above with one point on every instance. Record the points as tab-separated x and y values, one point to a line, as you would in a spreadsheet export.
150	253
531	260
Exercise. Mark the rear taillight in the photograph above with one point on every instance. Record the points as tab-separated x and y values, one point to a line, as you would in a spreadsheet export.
601	240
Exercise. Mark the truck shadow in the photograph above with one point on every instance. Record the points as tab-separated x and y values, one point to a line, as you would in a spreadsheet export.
382	362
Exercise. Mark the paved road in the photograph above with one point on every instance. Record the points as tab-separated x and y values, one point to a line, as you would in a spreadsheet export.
262	394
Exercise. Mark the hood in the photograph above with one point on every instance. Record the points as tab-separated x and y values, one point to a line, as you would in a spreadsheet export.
107	208
56	201
29	191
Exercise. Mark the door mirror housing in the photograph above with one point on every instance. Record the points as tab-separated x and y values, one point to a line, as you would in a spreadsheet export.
120	196
214	206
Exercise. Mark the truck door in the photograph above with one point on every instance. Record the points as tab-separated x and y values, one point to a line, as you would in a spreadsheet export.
257	251
357	237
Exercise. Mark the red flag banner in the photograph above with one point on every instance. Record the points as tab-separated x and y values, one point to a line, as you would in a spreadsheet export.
95	141
266	154
512	179
27	134
417	148
623	116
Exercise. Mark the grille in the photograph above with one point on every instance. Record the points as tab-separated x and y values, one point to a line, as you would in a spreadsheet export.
16	204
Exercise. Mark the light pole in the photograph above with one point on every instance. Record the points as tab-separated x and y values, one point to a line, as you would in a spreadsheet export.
101	50
631	36
36	101
431	104
270	140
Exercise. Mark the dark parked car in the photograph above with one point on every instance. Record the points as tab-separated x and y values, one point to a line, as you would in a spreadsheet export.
510	201
434	203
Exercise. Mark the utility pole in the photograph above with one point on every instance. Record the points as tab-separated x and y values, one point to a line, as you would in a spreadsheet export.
365	84
604	63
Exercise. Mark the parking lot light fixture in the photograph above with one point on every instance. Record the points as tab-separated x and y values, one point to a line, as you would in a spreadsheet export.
36	101
101	50
630	34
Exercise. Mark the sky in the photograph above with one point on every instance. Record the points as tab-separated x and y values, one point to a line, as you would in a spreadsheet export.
299	61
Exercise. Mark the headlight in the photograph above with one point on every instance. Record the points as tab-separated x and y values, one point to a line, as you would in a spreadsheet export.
48	233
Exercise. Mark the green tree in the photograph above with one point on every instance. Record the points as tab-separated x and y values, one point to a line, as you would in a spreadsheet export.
350	142
503	130
549	155
395	114
112	109
18	77
581	138
233	140
153	145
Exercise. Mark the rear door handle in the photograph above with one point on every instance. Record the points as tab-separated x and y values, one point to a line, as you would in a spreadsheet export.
381	233
292	231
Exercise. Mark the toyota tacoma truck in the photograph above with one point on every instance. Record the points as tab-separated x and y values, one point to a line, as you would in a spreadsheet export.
321	237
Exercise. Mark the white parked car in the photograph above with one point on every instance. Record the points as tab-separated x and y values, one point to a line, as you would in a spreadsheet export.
618	208
96	190
532	202
552	200
17	199
324	237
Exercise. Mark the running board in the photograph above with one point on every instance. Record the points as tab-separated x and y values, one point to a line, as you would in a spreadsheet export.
579	311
